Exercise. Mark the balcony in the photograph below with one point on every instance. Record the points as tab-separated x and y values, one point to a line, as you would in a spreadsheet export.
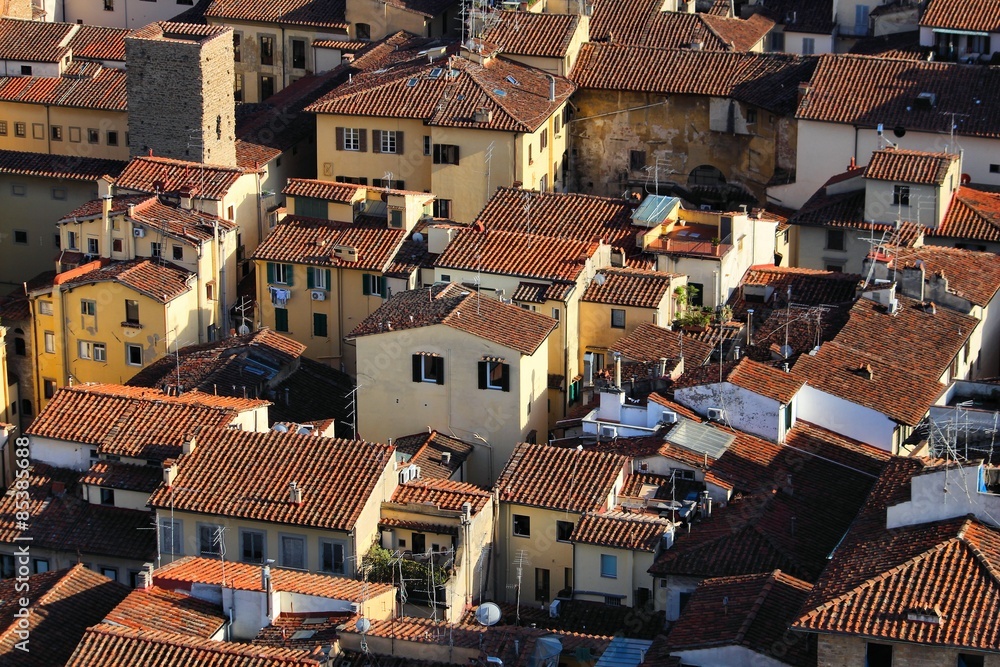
666	244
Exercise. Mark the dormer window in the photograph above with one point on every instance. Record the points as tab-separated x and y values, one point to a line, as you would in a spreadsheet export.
901	195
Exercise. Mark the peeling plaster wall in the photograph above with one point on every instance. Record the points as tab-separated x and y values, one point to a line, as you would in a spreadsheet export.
745	410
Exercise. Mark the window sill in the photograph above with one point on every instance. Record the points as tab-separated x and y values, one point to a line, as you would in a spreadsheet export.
132	325
517	535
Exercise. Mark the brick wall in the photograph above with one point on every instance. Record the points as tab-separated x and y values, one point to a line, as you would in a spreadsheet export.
180	98
838	651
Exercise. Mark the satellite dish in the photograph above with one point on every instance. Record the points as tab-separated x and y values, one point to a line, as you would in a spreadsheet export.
280	428
488	614
418	237
363	625
304	430
243	330
599	278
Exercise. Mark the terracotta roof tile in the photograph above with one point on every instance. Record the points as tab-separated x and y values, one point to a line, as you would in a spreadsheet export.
143	173
617	530
125	476
94	208
93	42
344	193
757	609
649	342
878	577
533	34
762	379
184	572
768	81
971	275
320	630
249	474
974	15
66	523
459	308
312	241
159	280
69	167
742	34
388	92
63	604
559	478
419	526
441	493
900	46
541	292
33	41
411	256
327	14
94	88
157	608
893	164
345	45
630	287
594	618
426	450
974	213
108	646
810	287
883	91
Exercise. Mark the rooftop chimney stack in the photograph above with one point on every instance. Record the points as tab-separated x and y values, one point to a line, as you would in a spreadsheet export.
189	445
618	370
169	472
294	494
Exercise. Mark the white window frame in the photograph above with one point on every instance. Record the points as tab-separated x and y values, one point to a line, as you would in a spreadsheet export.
176	537
494	367
128	354
50	342
71	241
352	139
155	249
214	551
281	550
389	142
281	273
319	279
427	364
333	544
45	307
93	246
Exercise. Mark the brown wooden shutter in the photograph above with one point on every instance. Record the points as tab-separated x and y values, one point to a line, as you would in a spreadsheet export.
340	138
376	141
363	140
399	147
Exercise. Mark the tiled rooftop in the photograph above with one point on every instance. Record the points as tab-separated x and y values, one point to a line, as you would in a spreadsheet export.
454	306
426	450
883	91
63	522
973	15
92	87
533	34
617	530
326	14
302	631
108	646
184	572
311	241
768	81
814	16
893	164
92	42
558	478
649	343
249	474
762	379
406	88
125	476
33	41
899	45
68	167
157	279
63	604
877	578
160	609
756	611
593	618
441	493
971	275
149	174
974	214
631	287
343	193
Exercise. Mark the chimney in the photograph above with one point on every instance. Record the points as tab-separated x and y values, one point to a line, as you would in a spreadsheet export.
865	371
169	472
294	494
618	370
552	88
146	577
189	445
185	193
853	165
106	205
265	578
661	367
804	89
446	458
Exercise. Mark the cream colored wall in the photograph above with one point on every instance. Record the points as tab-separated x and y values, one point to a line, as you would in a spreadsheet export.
411	166
384	19
61	560
545	162
132	500
66	117
631	573
301	308
541	550
6	415
923	207
386	387
595	322
465	184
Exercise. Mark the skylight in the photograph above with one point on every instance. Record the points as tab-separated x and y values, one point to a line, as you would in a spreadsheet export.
435	73
411	83
513	81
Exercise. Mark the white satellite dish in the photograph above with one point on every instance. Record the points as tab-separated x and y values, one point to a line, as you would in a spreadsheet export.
280	428
599	278
418	237
304	430
488	614
363	625
243	330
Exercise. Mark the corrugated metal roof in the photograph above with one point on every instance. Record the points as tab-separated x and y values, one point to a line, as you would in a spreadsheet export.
625	652
700	438
655	209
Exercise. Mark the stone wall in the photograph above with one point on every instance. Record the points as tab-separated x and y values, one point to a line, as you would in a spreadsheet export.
840	650
180	94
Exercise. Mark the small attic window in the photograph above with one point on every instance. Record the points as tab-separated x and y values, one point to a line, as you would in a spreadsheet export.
411	83
513	81
500	92
435	73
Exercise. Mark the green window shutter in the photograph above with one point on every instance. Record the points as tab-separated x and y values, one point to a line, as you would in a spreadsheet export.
417	377
319	325
383	290
366	285
329	285
484	369
281	319
270	273
439	369
310	280
505	377
290	272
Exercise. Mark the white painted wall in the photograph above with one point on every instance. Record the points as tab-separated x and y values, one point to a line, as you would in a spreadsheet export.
730	656
745	410
945	494
668	591
848	419
60	453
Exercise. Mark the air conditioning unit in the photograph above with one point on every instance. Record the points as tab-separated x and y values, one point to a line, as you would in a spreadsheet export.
669	417
716	414
139	232
318	295
609	431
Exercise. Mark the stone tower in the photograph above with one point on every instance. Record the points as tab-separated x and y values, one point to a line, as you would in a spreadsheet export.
180	92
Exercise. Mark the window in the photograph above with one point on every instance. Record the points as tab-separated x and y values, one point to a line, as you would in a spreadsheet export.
636	160
969	660
155	249
318	278
419	543
808	46
109	572
45	307
133	354
751	116
543	140
251	546
995	168
112	137
447	154
878	655
56	132
20	129
835	239
40	565
3	128
93	351
74	135
428	368
20	237
373	285
332	556
93	136
237	44
209	542
26	408
351	139
131	311
20	347
171	536
298	54
281	320
107	496
88	307
835	268
442	208
59	193
177	252
266	86
531	159
427	146
18	190
388	141
238	88
541	584
319	325
293	551
522	525
50	342
8	568
494	375
266	50
279	274
617	318
901	195
49	387
777	41
609	566
564	529
362	31
93	247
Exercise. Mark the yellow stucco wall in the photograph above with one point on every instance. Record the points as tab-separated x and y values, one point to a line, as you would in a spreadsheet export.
75	123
